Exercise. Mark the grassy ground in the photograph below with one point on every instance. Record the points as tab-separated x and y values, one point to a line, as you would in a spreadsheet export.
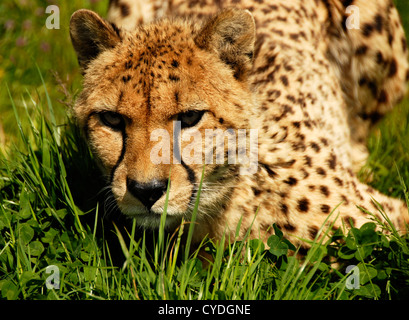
52	214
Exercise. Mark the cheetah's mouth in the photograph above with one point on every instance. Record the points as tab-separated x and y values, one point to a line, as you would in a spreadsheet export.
151	218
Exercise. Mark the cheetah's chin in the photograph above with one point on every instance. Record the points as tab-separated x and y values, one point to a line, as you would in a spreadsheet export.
152	221
151	218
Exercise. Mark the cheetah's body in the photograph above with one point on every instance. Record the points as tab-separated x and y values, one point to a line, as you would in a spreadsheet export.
316	87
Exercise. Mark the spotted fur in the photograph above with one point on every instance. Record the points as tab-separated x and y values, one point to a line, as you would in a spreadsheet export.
292	69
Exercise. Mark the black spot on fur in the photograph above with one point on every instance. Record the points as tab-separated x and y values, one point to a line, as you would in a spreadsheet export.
325	208
321	171
404	44
383	97
291	181
393	68
175	64
173	77
338	181
324	141
324	190
128	64
291	98
315	146
367	29
303	205
297	124
289	227
284	208
379	58
390	38
362	81
270	172
284	80
125	79
308	161
378	22
361	50
313	231
373	87
256	191
332	161
344	199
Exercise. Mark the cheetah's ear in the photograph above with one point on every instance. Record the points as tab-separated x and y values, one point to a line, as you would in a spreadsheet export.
90	35
231	34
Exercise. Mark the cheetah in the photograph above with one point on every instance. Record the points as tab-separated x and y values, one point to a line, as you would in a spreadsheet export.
293	70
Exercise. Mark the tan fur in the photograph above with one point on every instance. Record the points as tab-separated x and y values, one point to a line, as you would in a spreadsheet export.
290	69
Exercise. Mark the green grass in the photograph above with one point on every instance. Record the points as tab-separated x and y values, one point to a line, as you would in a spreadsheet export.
24	42
52	212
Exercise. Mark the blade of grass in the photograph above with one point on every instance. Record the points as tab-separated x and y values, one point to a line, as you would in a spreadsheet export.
194	215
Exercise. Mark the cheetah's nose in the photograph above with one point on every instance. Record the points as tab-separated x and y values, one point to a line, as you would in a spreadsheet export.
148	193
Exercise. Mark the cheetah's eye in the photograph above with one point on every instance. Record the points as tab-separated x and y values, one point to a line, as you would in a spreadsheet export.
112	119
190	118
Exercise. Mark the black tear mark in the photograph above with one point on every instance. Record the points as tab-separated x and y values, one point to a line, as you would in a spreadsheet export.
121	157
192	179
190	173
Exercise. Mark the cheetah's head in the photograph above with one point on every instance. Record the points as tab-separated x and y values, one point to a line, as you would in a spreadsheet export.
145	91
